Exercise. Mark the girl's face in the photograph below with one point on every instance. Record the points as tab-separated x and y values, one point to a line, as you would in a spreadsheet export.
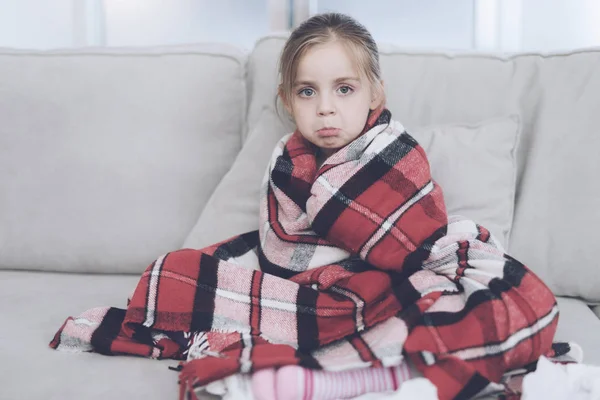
330	99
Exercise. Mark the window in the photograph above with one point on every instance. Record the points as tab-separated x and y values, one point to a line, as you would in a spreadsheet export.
488	25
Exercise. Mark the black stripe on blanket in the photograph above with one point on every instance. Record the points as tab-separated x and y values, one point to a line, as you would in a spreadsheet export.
414	261
204	299
373	171
475	385
384	118
282	175
440	318
142	334
306	360
561	348
355	264
273	269
307	327
411	315
238	246
107	331
405	292
514	271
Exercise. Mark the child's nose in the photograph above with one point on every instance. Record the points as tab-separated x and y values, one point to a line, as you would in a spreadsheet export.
326	106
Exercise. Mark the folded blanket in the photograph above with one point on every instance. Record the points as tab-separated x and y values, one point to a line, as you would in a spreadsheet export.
355	264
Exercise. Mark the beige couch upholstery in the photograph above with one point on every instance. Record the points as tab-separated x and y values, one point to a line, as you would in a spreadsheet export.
111	157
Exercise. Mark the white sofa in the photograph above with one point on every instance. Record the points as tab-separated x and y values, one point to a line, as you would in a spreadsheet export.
111	157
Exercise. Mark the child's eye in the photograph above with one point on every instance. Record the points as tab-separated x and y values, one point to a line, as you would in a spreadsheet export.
345	89
306	92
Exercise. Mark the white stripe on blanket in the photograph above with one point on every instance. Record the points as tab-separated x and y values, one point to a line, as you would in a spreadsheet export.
389	223
510	342
153	290
360	306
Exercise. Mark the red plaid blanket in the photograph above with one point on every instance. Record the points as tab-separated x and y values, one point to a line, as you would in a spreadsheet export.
355	264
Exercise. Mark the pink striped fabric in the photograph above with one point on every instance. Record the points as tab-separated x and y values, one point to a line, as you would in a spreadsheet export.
298	383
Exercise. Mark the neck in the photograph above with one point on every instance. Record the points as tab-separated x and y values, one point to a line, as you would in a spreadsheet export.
327	152
322	155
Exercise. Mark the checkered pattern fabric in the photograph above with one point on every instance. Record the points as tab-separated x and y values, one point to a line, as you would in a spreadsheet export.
355	264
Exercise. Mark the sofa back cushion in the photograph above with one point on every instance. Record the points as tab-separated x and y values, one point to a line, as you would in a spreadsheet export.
558	209
108	156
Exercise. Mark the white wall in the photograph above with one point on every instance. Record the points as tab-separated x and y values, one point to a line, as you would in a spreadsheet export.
163	22
47	24
560	24
491	25
498	25
36	24
412	23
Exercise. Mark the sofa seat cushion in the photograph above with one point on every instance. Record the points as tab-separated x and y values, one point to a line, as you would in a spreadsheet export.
577	323
33	307
35	304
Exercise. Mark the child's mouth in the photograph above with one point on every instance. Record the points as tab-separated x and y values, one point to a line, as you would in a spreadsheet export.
328	132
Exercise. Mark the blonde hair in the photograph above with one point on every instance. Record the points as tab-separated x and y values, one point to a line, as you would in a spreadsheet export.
325	28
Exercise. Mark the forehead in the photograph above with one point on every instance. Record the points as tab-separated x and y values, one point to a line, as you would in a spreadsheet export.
327	61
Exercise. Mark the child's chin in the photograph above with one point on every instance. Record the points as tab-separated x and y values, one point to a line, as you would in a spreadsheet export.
329	150
332	143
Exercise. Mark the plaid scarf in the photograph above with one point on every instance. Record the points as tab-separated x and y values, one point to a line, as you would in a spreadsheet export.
355	264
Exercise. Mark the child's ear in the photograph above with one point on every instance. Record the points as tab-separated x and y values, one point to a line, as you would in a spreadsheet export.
378	96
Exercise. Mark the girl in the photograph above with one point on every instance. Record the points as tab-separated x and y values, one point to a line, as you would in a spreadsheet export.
330	80
355	265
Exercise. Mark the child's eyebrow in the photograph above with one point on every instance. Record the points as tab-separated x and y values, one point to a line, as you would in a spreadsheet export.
338	80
